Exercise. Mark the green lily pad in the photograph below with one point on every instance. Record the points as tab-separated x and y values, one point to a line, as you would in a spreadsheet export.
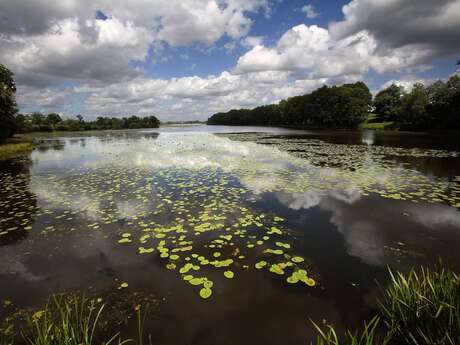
229	274
205	293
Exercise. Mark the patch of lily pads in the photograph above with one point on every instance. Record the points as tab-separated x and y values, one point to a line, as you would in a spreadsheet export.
201	221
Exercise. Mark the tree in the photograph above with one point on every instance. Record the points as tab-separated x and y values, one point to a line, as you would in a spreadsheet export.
8	106
413	109
327	107
53	119
388	101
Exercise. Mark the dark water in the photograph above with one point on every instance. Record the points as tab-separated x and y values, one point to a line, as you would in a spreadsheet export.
338	206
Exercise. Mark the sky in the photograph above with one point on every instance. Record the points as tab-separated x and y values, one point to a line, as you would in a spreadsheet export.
188	59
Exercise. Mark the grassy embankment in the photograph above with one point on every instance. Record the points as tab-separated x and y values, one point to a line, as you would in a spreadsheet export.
374	122
15	146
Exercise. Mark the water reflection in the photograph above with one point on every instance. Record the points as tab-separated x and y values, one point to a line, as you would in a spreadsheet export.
348	209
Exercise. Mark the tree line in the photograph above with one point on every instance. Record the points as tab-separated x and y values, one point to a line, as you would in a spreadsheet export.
38	122
424	107
12	122
436	106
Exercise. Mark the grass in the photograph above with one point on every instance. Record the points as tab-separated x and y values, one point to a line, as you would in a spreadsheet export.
422	308
69	320
376	123
14	147
366	336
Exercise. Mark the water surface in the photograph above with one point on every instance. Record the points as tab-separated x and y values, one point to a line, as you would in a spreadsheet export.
242	234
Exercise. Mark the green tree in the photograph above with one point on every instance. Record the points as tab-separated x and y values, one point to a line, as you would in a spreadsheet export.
413	110
8	106
53	119
327	107
388	101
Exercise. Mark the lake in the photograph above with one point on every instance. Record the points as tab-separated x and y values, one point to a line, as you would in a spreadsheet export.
233	235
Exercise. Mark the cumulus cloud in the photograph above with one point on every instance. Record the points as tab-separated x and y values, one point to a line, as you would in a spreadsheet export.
93	60
45	43
314	51
311	49
200	97
96	50
407	82
433	25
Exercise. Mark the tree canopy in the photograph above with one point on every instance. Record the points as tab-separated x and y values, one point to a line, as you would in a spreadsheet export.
7	103
38	122
423	108
434	107
343	106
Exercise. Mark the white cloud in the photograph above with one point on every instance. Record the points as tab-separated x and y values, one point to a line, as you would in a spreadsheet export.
310	49
200	97
431	27
64	57
252	41
407	82
309	11
70	50
45	43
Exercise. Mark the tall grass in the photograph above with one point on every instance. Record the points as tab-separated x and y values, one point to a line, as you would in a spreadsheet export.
422	308
67	321
70	320
367	336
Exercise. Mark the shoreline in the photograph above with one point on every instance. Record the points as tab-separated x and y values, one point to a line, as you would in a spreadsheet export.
16	146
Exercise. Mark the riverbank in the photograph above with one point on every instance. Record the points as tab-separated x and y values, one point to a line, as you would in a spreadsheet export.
16	146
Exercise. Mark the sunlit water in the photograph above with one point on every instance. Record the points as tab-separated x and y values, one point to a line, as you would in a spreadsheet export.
241	235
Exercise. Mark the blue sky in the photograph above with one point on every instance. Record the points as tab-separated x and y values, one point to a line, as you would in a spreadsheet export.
186	59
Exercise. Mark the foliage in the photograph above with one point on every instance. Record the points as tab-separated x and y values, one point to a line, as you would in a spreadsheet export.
328	107
11	122
368	336
69	320
7	103
434	107
346	106
422	308
38	122
388	101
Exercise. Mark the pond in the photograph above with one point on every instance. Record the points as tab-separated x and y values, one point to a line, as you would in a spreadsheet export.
240	234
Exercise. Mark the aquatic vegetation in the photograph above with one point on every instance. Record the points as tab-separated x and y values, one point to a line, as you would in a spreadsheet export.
123	285
420	308
66	320
229	274
72	319
190	202
423	307
367	336
205	293
326	167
